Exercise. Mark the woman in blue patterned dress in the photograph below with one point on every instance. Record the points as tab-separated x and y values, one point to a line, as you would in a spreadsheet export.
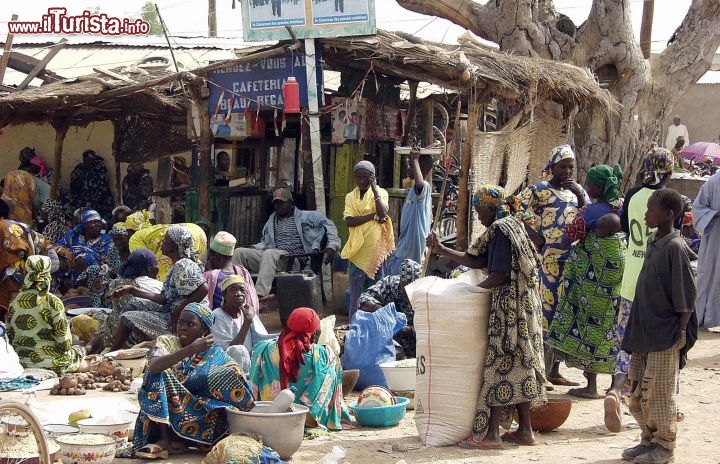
550	205
88	237
189	384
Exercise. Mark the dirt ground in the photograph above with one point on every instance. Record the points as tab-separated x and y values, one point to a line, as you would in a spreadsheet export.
582	439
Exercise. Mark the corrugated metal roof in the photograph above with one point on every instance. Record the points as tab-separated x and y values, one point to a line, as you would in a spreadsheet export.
81	54
135	41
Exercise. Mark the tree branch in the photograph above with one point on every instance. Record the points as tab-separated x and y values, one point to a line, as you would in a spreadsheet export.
480	19
697	39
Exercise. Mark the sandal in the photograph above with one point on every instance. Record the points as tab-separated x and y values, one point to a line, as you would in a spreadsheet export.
152	451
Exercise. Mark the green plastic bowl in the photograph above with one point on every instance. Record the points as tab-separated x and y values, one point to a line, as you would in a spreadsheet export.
381	416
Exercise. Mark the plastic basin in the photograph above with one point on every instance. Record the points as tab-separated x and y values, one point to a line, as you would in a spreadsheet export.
282	432
380	416
400	375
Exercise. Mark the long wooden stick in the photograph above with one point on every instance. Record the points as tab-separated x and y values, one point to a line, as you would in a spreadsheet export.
6	51
441	200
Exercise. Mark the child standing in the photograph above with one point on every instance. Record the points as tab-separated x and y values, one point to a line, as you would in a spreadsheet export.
661	328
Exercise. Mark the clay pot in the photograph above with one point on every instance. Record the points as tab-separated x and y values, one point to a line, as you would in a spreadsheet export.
350	378
551	415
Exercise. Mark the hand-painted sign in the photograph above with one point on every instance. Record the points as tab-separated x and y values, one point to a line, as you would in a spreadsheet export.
266	19
258	85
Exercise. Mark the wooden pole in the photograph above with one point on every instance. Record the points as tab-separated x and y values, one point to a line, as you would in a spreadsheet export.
314	123
61	128
163	211
428	134
411	128
212	19
118	179
6	51
41	65
441	200
463	211
203	151
646	27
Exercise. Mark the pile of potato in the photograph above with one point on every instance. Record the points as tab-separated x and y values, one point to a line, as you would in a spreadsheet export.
116	379
74	384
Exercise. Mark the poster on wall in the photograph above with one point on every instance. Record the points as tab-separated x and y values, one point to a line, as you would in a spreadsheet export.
229	125
257	86
348	120
268	19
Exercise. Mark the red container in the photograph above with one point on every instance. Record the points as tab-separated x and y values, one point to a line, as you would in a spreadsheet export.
291	95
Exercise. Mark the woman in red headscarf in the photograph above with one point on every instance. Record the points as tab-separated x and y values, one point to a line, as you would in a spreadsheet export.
294	359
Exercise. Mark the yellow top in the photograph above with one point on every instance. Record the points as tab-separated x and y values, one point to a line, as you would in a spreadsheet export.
637	241
371	243
151	238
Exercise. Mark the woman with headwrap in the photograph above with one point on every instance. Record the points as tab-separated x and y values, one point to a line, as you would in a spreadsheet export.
37	326
17	242
27	192
88	235
151	237
89	184
188	387
549	206
590	294
371	239
295	359
514	368
237	327
54	216
657	168
185	284
120	248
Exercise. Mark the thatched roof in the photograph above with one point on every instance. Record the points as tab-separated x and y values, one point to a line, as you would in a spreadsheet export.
459	67
151	91
92	98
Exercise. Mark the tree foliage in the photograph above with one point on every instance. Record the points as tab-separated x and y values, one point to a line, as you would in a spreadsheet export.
647	88
149	14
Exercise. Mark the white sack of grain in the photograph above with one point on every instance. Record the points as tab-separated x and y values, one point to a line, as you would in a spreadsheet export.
451	322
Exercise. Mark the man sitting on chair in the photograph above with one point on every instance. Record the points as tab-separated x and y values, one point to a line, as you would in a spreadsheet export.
288	231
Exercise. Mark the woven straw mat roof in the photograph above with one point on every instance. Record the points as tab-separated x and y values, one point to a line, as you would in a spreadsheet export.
459	67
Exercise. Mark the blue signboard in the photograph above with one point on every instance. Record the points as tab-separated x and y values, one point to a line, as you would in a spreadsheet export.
258	85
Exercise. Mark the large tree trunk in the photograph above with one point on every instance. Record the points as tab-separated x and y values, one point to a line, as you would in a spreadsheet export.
647	89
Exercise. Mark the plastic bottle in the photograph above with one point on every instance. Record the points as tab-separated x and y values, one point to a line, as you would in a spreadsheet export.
334	456
282	401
